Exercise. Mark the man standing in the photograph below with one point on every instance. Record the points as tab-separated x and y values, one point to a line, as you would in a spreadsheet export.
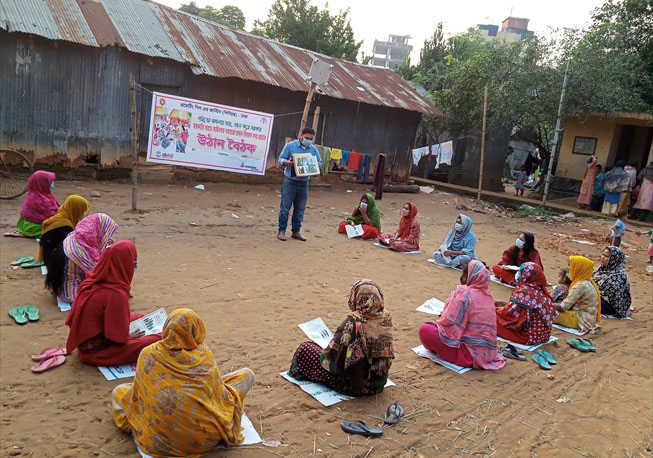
295	189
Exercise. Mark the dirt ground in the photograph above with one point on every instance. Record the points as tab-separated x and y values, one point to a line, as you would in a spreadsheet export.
215	251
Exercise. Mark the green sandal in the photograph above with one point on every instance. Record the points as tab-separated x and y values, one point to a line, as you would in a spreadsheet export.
541	360
18	314
32	312
22	260
548	356
589	344
32	264
579	345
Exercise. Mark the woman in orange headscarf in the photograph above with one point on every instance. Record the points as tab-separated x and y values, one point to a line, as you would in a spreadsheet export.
406	238
581	309
178	404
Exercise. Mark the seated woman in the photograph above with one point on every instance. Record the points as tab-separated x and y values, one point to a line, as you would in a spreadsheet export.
178	403
406	238
367	214
359	356
562	289
528	317
82	249
522	251
612	280
99	319
581	308
458	247
466	333
39	205
55	230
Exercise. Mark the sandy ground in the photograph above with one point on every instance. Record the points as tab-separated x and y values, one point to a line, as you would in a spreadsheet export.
252	291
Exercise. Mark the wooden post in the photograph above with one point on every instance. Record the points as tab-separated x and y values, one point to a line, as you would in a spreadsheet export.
307	105
134	139
480	175
316	119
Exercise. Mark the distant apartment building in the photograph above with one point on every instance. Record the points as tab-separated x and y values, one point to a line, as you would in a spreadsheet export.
391	53
512	29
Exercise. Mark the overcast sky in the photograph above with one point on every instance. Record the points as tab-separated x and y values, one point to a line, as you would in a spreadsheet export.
372	19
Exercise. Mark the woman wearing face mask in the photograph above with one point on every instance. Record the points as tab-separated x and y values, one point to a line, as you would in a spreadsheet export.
522	251
466	333
406	238
459	245
367	215
612	280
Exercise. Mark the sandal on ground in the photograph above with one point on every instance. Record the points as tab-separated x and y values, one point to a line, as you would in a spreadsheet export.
18	314
49	363
394	413
579	345
513	352
22	260
32	312
548	356
589	344
541	360
49	353
32	264
360	427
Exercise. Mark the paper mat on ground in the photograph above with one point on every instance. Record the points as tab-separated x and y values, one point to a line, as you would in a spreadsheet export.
380	245
44	270
326	396
496	279
432	261
575	332
63	306
527	347
152	323
317	331
433	306
354	231
249	433
612	317
117	372
423	352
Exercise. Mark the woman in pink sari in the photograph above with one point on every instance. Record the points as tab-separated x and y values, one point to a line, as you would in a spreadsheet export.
587	186
39	205
466	333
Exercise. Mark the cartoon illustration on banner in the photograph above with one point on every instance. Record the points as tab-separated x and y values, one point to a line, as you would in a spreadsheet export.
206	135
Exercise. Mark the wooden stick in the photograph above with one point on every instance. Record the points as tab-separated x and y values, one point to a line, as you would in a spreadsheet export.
316	119
480	174
307	105
134	139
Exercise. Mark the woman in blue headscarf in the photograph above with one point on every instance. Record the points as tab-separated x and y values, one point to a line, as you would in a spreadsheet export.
458	247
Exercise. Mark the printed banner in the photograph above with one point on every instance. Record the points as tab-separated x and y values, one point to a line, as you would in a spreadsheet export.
193	133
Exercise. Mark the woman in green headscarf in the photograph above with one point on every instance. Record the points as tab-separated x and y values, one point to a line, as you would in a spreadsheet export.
365	214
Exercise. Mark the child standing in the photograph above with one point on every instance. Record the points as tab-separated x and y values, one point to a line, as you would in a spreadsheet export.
619	229
521	179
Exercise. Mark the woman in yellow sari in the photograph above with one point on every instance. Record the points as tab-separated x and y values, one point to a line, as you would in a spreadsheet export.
178	404
581	309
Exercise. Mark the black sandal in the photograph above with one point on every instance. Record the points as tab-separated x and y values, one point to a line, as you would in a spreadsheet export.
512	352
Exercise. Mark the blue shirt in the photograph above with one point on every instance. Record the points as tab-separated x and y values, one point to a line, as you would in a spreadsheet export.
295	147
621	228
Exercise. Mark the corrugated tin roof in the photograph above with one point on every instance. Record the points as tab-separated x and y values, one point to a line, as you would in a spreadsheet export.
155	30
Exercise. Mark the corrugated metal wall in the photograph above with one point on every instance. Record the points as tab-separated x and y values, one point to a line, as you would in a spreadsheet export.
63	102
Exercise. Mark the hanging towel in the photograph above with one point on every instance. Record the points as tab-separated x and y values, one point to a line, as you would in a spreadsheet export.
345	158
336	154
379	176
354	160
325	154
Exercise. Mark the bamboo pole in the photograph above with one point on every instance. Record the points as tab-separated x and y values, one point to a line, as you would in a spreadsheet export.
480	175
556	135
316	119
134	139
307	105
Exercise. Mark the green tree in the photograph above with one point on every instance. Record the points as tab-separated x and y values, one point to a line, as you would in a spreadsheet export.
299	23
229	15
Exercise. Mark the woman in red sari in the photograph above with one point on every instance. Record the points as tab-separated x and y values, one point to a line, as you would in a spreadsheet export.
99	318
522	251
406	238
528	317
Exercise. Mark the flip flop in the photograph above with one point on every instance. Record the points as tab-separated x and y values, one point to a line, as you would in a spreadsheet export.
18	314
589	343
49	353
548	356
512	352
578	344
360	427
22	260
32	264
32	312
394	413
541	360
49	363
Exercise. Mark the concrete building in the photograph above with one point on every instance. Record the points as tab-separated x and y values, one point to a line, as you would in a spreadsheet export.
391	53
512	29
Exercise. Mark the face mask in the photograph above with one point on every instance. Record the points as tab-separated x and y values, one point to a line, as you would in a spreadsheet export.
363	205
136	265
52	185
307	142
519	243
458	227
518	277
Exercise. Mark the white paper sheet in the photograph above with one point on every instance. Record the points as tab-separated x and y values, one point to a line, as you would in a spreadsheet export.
380	245
63	306
354	231
433	306
423	352
44	270
317	331
575	332
432	261
250	435
326	396
527	347
583	242
117	372
152	323
612	317
496	279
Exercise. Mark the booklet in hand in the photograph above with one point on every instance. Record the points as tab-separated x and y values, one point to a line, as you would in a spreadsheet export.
354	231
152	323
